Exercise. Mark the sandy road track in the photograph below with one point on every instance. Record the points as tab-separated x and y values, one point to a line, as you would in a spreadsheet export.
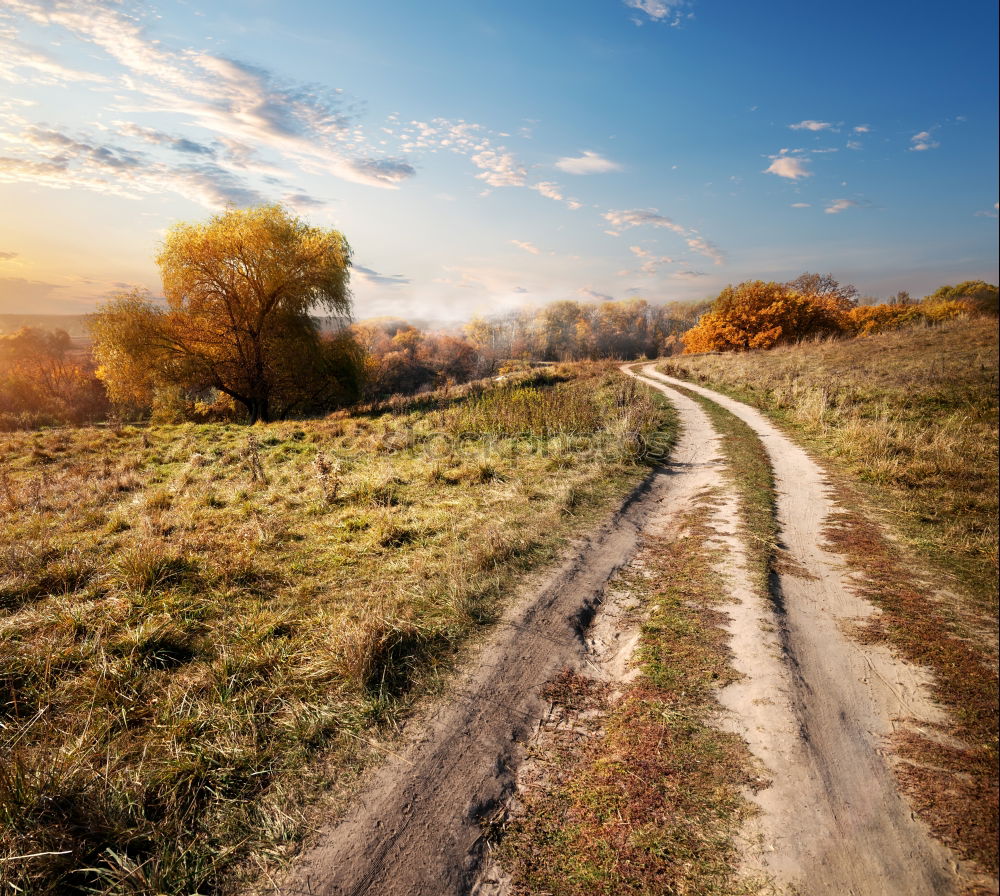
816	707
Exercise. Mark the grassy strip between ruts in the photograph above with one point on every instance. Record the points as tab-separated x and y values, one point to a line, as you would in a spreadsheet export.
202	627
639	792
749	469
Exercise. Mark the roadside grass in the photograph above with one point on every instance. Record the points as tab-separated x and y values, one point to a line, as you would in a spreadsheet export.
637	790
923	405
910	415
203	628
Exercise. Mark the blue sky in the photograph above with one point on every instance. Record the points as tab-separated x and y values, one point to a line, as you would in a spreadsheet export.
484	156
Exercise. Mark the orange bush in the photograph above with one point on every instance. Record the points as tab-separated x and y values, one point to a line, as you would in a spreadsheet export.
756	314
868	319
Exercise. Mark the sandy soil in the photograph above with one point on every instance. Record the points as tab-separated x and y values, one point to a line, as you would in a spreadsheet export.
814	706
417	826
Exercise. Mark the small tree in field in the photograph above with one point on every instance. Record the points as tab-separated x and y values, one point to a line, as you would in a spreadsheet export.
756	315
240	290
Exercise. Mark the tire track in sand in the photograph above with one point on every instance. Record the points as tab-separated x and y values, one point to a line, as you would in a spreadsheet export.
816	707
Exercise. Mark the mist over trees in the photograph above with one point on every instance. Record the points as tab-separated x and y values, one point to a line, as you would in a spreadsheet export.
45	380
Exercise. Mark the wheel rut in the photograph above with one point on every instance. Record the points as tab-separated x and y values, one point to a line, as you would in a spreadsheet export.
417	825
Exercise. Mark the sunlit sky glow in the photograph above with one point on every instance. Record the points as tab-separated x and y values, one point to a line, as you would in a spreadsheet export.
488	155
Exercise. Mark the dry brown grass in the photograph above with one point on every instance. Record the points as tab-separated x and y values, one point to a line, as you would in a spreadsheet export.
202	626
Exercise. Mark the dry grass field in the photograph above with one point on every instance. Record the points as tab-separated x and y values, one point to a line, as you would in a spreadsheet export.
196	621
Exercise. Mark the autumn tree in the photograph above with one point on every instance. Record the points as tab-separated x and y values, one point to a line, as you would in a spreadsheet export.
240	293
756	314
42	379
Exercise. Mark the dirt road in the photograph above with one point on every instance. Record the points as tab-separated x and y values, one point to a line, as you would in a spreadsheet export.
814	706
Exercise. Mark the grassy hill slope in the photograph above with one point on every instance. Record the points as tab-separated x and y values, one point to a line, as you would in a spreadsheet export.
911	415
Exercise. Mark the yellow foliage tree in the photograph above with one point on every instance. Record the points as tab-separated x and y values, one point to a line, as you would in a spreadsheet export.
240	291
756	314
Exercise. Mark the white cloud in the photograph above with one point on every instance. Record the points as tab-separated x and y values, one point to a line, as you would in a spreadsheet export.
528	247
651	264
638	217
15	56
922	142
594	295
789	167
854	144
553	191
801	205
810	125
499	169
306	125
704	247
549	190
649	217
668	11
368	275
588	163
840	205
862	129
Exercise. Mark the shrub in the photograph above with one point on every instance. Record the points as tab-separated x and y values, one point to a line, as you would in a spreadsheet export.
756	314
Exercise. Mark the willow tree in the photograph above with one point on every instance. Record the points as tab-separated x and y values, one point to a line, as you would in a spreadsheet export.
241	291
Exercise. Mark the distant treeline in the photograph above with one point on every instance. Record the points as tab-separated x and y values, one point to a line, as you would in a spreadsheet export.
47	378
400	358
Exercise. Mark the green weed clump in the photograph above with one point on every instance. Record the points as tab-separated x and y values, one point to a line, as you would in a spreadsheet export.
202	626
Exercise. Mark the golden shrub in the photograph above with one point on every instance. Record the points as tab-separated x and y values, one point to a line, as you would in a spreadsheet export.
756	314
